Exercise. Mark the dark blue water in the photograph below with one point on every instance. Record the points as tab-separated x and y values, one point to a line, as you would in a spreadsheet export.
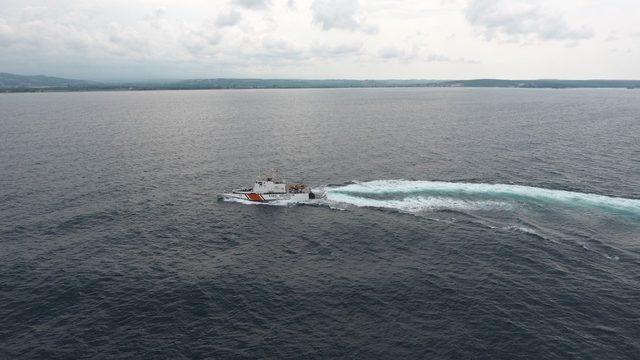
455	223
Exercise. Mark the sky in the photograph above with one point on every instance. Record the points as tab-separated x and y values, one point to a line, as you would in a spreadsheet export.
319	39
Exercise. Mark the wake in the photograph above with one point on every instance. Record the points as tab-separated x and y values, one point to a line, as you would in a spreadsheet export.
414	196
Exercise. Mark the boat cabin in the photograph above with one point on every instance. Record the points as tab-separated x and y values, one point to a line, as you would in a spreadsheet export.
268	186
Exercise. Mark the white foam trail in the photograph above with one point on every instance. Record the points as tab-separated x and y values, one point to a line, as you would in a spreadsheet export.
523	229
414	190
416	204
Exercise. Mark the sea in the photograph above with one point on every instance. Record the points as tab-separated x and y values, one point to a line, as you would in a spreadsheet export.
450	224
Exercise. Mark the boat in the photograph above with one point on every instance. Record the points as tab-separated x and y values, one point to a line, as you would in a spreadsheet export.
267	189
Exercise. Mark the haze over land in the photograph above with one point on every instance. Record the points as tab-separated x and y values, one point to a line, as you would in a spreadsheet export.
38	83
321	39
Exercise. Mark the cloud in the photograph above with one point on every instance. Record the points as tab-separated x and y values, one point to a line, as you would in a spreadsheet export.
520	20
30	13
389	52
437	58
252	4
282	49
127	39
228	18
336	50
74	37
159	12
6	33
35	34
417	55
200	41
310	38
340	14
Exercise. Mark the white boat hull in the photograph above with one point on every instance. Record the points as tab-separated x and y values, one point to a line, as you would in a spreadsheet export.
270	190
255	197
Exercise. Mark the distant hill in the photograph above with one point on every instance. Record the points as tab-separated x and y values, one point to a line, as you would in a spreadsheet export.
553	84
12	81
292	83
25	83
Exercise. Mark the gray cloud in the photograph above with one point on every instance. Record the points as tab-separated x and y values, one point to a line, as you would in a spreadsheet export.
135	38
389	52
37	35
340	14
252	4
518	20
159	12
6	33
228	18
126	39
336	50
438	58
278	48
200	41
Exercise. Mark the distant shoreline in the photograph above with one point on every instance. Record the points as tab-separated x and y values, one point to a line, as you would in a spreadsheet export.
11	83
114	89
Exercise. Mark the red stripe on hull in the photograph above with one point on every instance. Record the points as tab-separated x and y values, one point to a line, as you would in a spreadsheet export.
255	197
